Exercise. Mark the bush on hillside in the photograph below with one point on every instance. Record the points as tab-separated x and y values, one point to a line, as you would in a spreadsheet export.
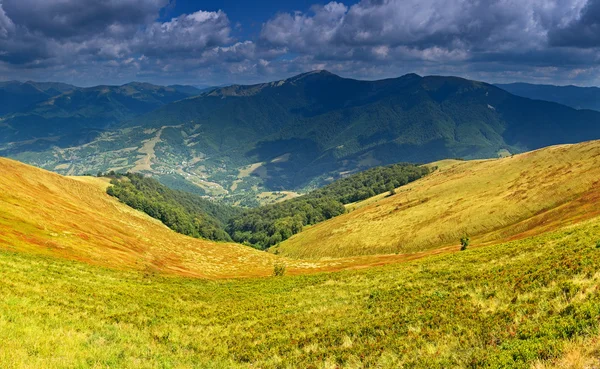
279	269
464	242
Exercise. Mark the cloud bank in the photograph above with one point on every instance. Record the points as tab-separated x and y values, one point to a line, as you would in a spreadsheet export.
89	41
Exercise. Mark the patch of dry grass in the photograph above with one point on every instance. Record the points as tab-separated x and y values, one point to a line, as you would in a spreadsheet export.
45	213
73	218
491	200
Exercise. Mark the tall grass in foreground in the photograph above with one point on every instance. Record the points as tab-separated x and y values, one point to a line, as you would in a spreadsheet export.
508	305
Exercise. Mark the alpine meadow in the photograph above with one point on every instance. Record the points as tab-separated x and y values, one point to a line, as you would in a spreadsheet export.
280	185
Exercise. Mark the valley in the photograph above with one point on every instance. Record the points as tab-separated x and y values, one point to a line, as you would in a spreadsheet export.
213	143
320	248
367	184
88	281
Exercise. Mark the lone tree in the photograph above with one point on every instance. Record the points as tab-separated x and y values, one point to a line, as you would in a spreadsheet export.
464	242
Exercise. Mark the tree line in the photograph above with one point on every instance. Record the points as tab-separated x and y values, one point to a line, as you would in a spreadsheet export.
268	225
183	212
260	227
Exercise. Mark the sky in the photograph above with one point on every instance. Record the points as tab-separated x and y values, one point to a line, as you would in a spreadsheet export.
90	42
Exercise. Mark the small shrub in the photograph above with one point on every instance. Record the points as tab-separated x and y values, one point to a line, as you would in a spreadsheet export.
598	244
464	242
278	269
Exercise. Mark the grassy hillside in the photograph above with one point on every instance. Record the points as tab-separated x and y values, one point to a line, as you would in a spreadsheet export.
511	305
489	200
45	213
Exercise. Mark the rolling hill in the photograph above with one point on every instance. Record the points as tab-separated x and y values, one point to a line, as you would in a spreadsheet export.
87	281
45	213
573	96
297	133
527	303
489	200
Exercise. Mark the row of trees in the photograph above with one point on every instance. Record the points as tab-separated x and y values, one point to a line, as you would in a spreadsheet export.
371	182
268	225
260	227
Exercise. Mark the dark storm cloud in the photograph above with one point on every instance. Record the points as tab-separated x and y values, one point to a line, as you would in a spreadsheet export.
92	40
42	32
583	32
445	36
77	18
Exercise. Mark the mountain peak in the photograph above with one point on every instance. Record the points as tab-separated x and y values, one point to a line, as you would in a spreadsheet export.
318	73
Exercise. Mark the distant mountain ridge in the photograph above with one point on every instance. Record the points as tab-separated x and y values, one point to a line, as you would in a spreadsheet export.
16	95
325	122
314	127
68	115
573	96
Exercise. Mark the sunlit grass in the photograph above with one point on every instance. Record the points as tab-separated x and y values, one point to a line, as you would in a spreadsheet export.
490	200
508	305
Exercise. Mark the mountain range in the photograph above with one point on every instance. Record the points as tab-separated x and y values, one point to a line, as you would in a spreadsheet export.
53	114
573	96
296	133
16	95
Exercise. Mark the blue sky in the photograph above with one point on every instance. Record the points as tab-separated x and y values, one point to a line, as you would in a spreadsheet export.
87	42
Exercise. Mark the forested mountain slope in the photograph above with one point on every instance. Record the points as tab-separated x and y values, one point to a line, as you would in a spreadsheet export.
72	117
300	131
15	95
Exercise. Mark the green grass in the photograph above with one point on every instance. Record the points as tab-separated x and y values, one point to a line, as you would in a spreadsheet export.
506	305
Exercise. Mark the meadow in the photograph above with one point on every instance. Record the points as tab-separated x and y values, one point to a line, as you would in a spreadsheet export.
525	303
490	200
86	281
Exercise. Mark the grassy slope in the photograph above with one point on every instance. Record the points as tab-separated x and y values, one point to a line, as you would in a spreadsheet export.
44	213
73	218
490	200
506	305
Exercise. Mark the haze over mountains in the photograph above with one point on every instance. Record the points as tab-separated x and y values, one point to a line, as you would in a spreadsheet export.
573	96
63	115
286	134
15	95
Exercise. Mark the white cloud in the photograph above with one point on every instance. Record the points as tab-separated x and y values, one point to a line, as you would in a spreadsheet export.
89	40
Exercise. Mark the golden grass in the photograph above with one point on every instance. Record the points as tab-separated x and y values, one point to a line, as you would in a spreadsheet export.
579	354
527	302
73	218
45	213
490	200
